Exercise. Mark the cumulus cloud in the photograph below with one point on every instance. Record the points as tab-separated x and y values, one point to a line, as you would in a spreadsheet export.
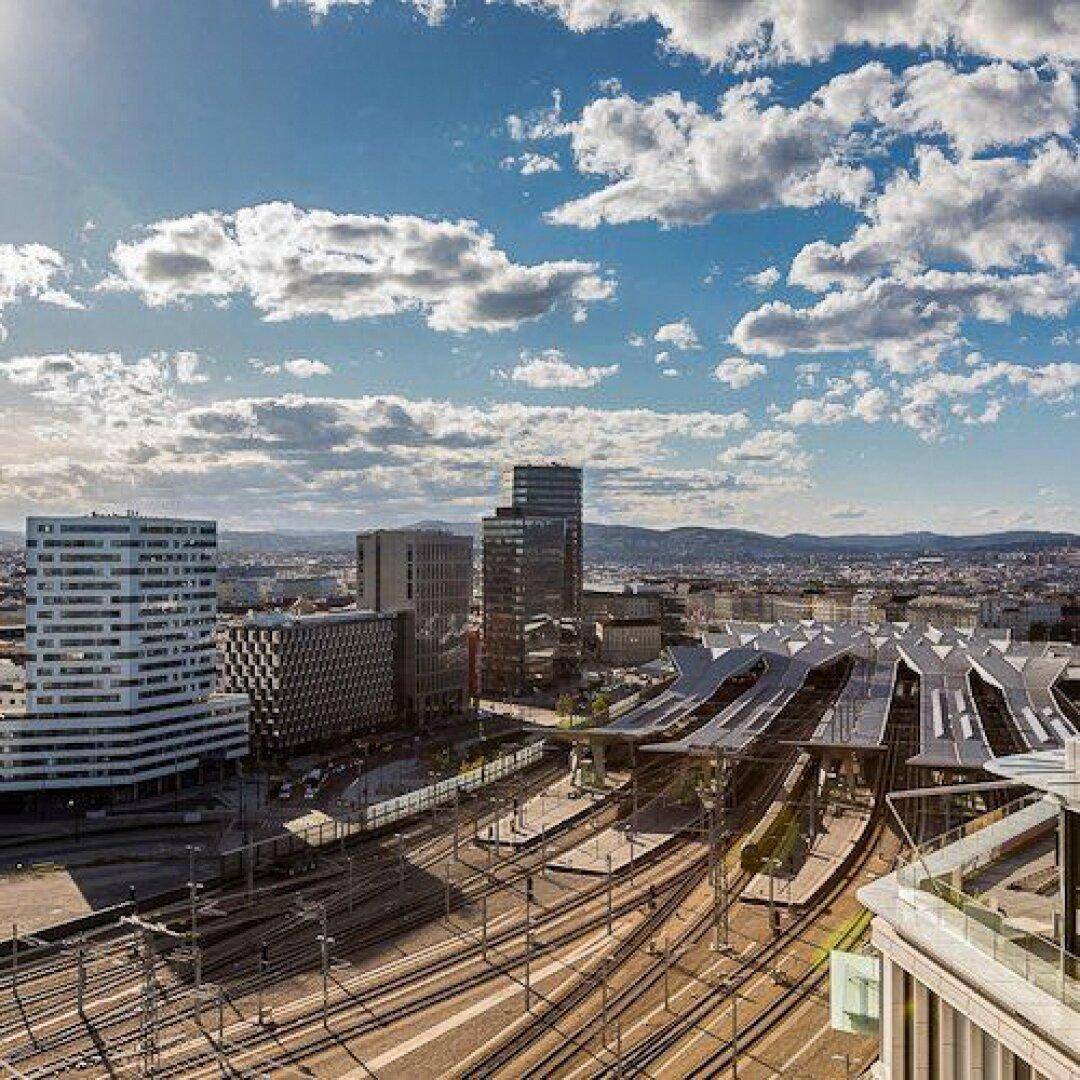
31	272
433	11
119	401
995	105
299	368
748	33
988	213
530	163
743	33
906	320
770	448
106	423
871	406
669	160
295	263
550	370
737	372
681	335
763	279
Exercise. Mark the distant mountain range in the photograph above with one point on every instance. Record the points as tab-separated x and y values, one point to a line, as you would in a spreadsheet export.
686	546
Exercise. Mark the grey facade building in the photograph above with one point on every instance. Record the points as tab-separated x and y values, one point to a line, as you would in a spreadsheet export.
532	582
428	574
315	680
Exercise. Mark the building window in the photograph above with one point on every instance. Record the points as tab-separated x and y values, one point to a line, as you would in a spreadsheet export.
909	1026
990	1057
933	1035
960	1045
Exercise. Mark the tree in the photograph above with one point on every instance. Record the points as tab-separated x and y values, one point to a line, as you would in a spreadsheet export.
564	706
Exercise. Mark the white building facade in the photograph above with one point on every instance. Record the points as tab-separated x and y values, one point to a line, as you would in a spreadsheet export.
977	933
121	659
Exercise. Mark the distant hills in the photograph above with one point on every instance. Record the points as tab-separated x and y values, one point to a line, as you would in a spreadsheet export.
692	545
686	546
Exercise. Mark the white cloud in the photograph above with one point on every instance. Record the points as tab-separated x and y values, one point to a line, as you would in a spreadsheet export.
747	33
681	335
670	161
846	512
670	373
636	341
537	124
906	320
529	163
997	212
299	368
737	372
769	448
302	368
742	33
994	105
872	406
188	366
550	370
662	357
433	11
295	263
763	279
106	427
30	272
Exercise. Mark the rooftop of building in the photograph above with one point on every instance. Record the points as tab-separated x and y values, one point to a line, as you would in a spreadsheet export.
983	901
279	620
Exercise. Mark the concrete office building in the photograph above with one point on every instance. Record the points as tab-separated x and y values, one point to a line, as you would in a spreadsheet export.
315	680
427	573
978	935
120	673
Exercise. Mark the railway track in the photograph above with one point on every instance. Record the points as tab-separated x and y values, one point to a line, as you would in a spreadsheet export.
505	874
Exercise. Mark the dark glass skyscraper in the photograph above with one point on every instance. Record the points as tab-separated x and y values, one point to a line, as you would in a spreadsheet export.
532	581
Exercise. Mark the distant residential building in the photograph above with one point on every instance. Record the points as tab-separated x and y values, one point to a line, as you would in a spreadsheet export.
428	573
626	642
960	612
316	680
121	686
12	688
285	590
619	603
1019	615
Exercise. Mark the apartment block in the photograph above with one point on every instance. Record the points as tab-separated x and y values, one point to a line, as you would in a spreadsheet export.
121	686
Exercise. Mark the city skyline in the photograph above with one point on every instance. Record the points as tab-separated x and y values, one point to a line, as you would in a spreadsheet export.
339	265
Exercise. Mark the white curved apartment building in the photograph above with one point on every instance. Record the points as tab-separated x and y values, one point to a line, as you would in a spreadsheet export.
121	668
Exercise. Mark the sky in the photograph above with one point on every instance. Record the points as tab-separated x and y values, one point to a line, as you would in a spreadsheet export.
322	264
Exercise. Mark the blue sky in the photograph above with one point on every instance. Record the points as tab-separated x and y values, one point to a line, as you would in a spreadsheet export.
333	264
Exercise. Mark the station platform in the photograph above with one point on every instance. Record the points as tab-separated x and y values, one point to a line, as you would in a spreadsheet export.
857	718
841	831
553	809
632	840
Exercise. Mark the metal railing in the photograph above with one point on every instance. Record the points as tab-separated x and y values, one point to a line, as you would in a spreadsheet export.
377	815
1037	959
